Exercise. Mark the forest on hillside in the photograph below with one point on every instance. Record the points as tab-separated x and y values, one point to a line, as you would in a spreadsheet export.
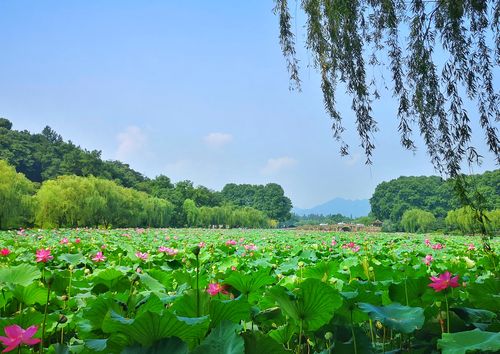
55	173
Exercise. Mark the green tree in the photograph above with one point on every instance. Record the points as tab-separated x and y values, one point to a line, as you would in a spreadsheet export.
191	211
270	199
5	123
15	198
417	220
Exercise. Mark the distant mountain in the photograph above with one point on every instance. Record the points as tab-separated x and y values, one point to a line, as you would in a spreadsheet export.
346	207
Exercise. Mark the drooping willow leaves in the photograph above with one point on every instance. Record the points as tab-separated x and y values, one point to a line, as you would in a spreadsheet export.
441	54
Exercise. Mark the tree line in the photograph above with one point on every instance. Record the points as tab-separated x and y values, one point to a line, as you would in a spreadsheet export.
75	201
430	203
53	168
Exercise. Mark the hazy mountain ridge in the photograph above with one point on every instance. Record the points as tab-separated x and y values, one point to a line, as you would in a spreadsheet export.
346	207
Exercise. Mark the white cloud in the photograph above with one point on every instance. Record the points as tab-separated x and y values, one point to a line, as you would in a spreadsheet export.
130	141
279	164
217	139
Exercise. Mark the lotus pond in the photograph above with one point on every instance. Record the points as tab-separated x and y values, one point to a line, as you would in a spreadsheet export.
246	291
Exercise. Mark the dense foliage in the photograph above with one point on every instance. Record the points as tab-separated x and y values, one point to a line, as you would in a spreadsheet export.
464	220
417	220
15	197
270	198
438	54
46	156
254	291
433	194
72	201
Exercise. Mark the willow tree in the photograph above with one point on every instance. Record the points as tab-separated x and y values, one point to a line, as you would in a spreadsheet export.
441	55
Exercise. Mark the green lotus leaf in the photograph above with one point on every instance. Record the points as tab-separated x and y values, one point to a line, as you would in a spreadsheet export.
222	339
479	318
151	283
322	270
31	294
258	343
400	318
172	345
72	258
284	334
313	304
485	295
22	274
249	283
463	342
232	310
109	277
186	304
149	327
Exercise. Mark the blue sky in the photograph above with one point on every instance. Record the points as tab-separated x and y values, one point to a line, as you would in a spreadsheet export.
191	89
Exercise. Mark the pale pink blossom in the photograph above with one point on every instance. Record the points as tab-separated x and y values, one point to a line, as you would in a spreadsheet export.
250	247
144	256
428	259
99	257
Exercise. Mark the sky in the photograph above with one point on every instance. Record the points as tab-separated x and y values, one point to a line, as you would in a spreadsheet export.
193	90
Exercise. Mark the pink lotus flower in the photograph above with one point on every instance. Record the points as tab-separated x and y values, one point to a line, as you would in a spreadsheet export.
215	288
334	242
201	244
4	252
471	247
99	257
354	247
64	241
427	242
231	243
437	246
17	336
43	255
144	256
443	282
168	250
428	259
251	247
78	240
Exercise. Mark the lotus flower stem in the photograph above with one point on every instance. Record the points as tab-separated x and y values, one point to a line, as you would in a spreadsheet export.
383	342
447	313
49	284
371	332
406	293
300	338
354	337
